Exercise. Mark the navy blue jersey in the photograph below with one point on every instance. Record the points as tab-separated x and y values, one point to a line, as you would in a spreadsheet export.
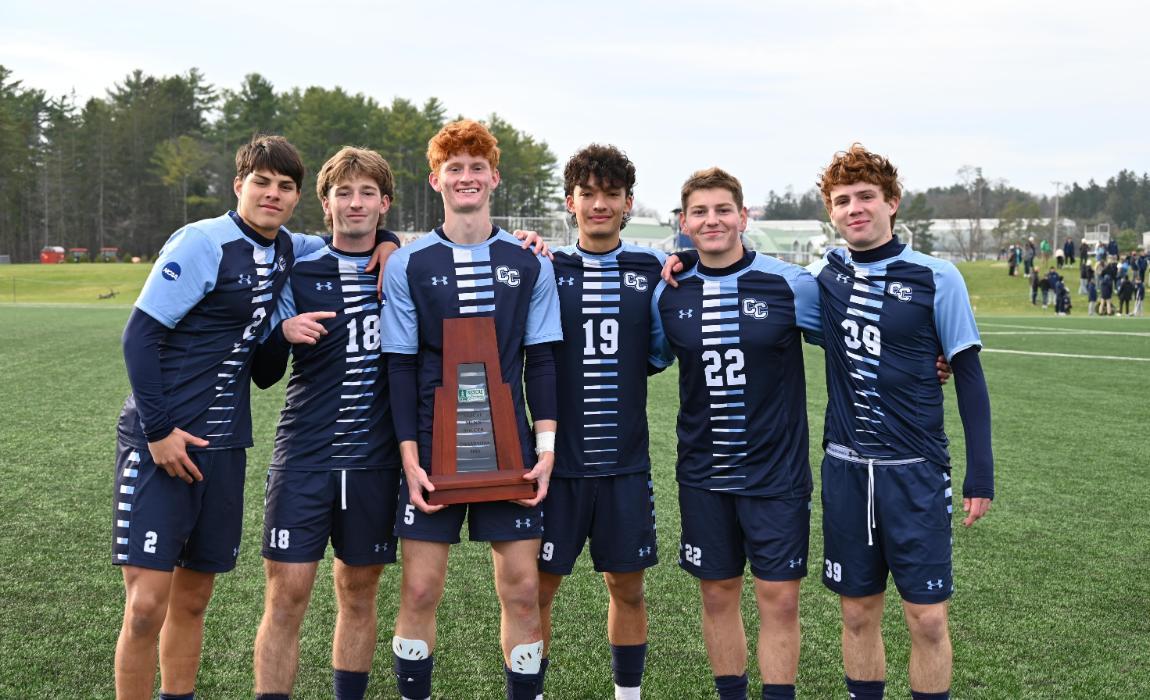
605	302
434	279
215	286
736	332
337	414
885	324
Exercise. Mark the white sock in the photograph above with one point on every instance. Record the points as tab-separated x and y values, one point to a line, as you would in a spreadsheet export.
622	693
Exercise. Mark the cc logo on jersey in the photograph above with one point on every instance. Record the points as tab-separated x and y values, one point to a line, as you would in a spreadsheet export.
635	281
507	275
754	308
899	291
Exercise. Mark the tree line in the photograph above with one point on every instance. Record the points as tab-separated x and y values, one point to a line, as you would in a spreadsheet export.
1123	202
127	169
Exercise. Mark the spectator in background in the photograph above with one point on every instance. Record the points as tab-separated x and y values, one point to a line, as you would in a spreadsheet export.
1044	246
1106	288
1085	274
1141	262
1068	250
1061	298
1091	296
1083	251
1011	261
1139	295
1028	256
1112	248
1100	252
1059	257
1048	284
1033	276
1124	268
1125	294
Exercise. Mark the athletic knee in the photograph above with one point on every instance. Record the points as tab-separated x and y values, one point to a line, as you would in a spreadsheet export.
626	590
861	618
520	597
720	596
928	624
144	615
356	595
421	594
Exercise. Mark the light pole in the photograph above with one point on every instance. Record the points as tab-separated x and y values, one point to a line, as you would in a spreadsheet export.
1057	191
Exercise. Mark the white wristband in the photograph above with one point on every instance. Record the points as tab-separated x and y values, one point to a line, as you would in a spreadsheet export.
545	442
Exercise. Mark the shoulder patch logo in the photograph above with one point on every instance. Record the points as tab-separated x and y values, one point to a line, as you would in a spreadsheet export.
899	291
171	271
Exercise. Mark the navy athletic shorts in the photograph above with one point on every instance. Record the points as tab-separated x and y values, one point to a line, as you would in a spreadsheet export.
722	531
354	508
496	521
161	522
907	533
616	512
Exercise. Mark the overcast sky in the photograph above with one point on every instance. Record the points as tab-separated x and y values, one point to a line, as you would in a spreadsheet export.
1032	92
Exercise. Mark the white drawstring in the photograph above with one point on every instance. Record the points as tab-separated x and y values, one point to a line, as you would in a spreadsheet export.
343	489
870	515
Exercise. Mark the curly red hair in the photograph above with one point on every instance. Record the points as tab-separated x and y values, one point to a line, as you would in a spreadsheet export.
462	136
857	164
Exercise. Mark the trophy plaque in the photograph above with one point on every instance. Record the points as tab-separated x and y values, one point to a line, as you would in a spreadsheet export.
475	450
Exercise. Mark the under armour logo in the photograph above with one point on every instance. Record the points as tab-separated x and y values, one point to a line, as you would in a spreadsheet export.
436	281
686	313
844	279
525	522
245	279
644	551
933	585
380	547
235	551
320	286
795	563
569	281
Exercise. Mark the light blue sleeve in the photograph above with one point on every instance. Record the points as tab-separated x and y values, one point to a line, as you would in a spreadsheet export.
184	273
953	317
659	353
285	309
305	244
399	325
543	320
808	315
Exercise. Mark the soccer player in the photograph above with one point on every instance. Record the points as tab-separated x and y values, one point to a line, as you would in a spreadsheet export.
888	311
183	431
467	268
335	470
601	486
735	323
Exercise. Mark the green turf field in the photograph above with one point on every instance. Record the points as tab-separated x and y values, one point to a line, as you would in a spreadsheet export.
1053	599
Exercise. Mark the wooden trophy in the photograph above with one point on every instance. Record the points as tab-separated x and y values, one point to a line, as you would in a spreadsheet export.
475	450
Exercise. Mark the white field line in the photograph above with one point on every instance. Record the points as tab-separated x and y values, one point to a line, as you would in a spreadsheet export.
1065	331
1062	354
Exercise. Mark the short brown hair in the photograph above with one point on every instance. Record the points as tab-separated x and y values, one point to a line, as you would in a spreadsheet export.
855	165
712	179
272	153
351	162
462	136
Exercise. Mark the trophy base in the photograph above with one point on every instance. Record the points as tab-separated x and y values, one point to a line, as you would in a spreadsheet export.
480	488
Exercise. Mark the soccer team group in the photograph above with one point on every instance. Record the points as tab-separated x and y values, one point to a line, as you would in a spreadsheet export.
579	330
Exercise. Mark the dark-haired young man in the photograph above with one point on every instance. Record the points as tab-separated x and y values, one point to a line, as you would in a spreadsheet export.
335	469
183	432
735	322
601	486
464	269
887	312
